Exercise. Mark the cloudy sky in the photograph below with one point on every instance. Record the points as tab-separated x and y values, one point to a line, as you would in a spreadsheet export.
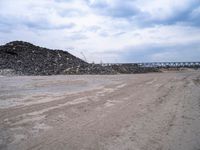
107	30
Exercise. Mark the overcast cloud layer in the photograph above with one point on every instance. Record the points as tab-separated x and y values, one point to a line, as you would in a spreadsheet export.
107	30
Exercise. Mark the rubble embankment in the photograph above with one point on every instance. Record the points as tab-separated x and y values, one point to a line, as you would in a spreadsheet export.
23	58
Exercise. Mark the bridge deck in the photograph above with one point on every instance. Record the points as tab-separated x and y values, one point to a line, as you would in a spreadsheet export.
159	64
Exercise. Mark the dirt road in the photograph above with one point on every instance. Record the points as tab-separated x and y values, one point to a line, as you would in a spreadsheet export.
117	112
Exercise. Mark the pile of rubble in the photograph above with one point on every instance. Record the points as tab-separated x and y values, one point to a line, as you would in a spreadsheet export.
131	68
27	59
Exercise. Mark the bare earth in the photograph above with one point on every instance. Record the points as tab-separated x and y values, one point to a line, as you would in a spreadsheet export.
116	112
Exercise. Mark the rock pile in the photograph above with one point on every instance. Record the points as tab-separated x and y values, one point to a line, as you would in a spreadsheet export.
24	58
130	68
27	59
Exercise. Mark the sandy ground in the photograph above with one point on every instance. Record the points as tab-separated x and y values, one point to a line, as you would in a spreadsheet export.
117	112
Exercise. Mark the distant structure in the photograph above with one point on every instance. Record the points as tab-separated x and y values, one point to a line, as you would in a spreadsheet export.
161	64
171	64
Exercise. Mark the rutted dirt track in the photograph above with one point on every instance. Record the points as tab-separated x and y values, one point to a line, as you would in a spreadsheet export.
116	112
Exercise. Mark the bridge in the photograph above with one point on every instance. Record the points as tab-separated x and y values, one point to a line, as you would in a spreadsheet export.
160	64
170	64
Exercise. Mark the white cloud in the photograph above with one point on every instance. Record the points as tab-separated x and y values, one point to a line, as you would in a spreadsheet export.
103	30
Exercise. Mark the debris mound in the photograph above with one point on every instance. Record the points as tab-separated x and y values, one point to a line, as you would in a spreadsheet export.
129	68
23	58
27	59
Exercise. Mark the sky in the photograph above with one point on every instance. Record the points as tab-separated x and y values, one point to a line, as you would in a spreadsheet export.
107	31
